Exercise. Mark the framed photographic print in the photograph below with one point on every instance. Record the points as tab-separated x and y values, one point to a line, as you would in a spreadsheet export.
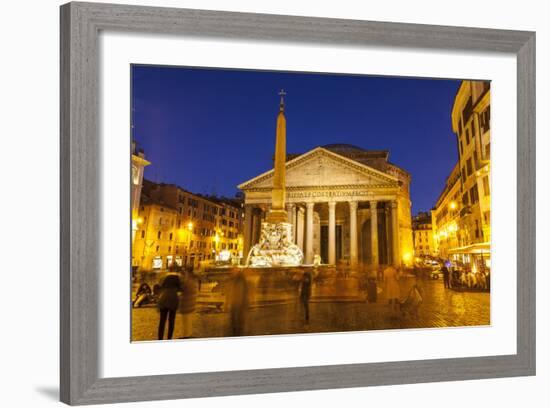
260	203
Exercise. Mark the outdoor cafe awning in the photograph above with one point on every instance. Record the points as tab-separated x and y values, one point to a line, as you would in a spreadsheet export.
483	248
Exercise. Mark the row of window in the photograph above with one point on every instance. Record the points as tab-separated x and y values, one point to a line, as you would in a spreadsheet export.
204	232
467	170
471	196
484	119
208	208
200	245
423	238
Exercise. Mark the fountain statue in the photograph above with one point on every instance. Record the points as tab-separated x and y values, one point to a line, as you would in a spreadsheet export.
276	246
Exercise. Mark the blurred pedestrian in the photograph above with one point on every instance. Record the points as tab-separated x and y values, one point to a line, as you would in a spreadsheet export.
391	281
168	303
305	294
482	280
372	289
238	303
455	278
188	302
446	276
379	274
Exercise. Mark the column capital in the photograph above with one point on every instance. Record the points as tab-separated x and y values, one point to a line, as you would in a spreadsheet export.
300	209
290	205
353	205
393	203
332	205
310	205
373	204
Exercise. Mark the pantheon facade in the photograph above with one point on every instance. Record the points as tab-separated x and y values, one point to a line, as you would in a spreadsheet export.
349	205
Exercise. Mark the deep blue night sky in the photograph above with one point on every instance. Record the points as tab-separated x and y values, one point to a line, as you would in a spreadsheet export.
208	130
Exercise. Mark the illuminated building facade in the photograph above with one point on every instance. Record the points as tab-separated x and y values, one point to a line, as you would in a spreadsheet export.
462	214
138	166
423	234
346	204
182	228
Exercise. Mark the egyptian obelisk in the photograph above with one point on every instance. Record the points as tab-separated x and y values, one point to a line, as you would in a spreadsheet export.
278	213
276	247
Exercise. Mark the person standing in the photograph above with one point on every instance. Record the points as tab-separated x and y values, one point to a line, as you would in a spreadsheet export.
372	289
305	294
187	303
168	304
238	303
446	276
391	281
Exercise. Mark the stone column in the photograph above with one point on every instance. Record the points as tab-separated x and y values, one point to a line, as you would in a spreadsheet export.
388	232
300	228
309	233
353	233
332	232
396	258
291	218
374	232
289	208
247	230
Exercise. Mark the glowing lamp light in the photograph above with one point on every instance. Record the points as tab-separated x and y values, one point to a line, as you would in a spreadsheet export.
407	256
224	255
452	205
190	226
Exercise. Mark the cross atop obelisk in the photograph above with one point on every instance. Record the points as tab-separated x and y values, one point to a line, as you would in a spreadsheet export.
282	93
278	212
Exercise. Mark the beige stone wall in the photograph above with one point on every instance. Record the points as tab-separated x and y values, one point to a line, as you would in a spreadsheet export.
406	244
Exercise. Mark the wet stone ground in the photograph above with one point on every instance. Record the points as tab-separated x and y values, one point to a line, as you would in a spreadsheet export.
440	308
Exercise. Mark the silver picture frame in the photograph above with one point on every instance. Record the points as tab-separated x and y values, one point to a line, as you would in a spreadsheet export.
81	24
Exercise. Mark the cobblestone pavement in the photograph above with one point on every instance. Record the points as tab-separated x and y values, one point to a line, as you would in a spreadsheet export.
440	308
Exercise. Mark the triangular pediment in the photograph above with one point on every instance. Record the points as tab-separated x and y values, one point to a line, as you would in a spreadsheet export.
321	167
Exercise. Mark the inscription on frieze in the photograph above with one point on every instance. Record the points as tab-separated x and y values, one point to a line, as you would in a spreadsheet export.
316	194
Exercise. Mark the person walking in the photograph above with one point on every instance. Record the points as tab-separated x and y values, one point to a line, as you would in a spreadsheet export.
391	281
168	304
238	303
305	294
188	302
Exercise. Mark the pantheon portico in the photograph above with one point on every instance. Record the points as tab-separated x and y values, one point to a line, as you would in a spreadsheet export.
346	204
